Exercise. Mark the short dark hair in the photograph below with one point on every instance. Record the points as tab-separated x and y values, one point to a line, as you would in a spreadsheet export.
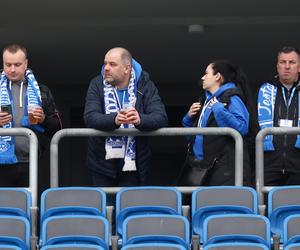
14	48
289	49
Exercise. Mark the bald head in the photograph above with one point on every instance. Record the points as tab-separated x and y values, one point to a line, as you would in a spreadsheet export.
117	67
123	54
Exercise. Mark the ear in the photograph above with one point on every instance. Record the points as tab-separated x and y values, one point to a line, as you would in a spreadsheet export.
218	77
26	63
127	68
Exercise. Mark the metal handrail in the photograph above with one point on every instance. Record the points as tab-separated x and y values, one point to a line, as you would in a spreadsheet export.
83	132
259	160
33	157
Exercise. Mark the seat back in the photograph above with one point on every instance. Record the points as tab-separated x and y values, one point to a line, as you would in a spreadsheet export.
236	246
207	201
72	246
14	232
151	200
282	202
293	247
72	200
291	230
15	201
241	228
153	246
80	229
172	229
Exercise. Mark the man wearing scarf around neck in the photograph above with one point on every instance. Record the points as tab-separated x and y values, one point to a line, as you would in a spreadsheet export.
278	106
19	90
121	96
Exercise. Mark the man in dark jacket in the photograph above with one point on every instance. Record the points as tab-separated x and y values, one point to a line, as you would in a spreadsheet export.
122	96
19	91
278	106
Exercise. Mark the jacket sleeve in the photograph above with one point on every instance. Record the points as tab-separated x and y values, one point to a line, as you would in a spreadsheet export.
236	116
52	122
94	116
153	115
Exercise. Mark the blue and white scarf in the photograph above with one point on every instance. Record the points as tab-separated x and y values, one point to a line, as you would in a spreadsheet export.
122	147
265	106
33	96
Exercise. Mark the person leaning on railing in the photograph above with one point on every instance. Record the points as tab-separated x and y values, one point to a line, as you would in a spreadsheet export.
24	103
122	96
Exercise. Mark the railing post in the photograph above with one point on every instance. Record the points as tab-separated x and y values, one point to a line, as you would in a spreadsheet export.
259	160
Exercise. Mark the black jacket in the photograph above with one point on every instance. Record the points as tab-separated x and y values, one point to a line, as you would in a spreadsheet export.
52	122
285	156
152	113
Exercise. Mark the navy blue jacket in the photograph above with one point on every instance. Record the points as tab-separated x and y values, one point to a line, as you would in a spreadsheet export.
152	113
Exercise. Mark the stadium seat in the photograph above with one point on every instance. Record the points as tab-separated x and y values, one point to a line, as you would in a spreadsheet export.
5	247
291	232
171	229
293	247
282	202
146	200
14	232
75	229
73	200
207	201
153	246
236	228
236	246
15	202
72	246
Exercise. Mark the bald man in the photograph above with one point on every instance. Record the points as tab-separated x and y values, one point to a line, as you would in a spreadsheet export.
122	96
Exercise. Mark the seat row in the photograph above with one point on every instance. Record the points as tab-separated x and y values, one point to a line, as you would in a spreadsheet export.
78	214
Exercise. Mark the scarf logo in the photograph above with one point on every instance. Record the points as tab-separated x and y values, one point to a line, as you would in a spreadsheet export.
267	103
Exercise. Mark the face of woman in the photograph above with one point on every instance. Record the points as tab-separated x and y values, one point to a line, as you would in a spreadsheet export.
211	81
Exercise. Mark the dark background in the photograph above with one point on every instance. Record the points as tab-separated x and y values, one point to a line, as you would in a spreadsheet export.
67	40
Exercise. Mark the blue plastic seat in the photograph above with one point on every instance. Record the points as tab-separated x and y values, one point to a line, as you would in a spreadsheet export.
75	229
146	200
8	247
153	246
15	232
15	202
295	246
236	246
208	201
291	230
72	246
170	229
282	202
236	228
72	201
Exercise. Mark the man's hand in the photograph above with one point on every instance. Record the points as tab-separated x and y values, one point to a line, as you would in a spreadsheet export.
133	117
121	117
128	116
5	118
38	114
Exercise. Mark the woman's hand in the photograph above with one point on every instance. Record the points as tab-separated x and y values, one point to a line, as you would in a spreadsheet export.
213	101
194	109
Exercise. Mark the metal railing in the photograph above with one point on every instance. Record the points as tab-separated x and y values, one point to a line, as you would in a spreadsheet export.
259	160
33	157
84	132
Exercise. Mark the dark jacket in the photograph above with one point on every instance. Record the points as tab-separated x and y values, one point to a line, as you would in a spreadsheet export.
152	114
52	122
219	150
285	156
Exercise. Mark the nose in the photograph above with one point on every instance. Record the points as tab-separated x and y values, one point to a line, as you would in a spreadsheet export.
287	65
106	67
12	68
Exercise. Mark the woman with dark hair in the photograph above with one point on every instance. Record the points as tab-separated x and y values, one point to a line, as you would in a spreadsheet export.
224	106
